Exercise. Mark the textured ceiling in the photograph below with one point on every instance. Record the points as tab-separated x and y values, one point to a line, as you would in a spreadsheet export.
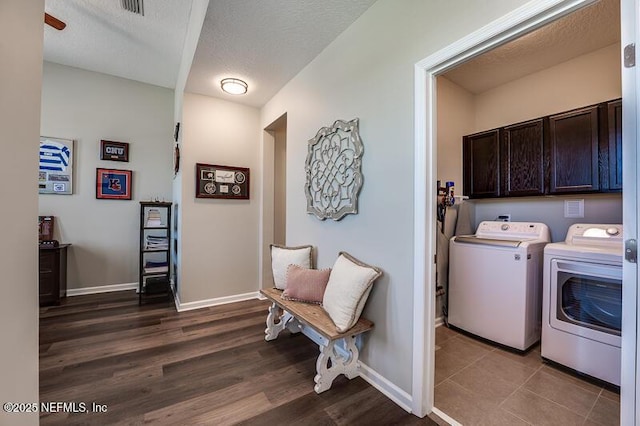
265	43
101	36
583	31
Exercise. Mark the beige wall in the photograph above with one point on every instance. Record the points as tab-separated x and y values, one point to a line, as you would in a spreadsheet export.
194	27
267	204
456	117
20	86
585	80
273	193
368	72
280	185
87	107
219	237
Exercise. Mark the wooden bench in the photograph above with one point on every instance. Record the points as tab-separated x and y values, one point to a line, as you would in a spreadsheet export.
298	317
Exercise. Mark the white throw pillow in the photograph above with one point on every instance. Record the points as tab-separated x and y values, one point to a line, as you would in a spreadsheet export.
347	291
282	257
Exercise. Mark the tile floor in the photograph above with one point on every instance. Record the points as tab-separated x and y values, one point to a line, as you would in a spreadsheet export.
479	384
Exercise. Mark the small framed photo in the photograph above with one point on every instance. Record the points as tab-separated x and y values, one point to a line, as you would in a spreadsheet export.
114	151
112	184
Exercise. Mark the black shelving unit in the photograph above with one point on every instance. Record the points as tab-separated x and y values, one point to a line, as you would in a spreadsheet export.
155	250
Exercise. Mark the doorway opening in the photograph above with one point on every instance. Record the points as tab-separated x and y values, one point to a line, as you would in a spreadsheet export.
274	194
568	64
519	23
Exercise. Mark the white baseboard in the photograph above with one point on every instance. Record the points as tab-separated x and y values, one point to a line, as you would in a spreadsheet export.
445	417
181	307
101	289
439	321
393	392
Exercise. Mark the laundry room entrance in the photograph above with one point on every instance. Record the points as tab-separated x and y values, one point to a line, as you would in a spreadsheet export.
528	133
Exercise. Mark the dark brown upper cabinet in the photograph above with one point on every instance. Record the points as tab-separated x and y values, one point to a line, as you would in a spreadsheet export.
577	151
614	138
522	159
481	172
573	151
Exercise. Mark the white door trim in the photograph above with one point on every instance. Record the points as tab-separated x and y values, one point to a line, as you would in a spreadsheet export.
520	21
630	380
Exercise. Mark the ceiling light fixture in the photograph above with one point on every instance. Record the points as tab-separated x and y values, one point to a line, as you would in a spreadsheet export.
234	86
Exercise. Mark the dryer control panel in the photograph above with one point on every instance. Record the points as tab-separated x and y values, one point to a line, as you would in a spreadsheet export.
593	234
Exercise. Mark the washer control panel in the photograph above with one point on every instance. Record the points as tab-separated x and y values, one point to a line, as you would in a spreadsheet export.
513	230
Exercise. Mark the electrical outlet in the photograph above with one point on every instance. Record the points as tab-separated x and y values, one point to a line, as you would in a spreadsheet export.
504	217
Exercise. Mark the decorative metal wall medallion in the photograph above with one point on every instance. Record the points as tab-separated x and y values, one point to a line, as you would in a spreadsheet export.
333	169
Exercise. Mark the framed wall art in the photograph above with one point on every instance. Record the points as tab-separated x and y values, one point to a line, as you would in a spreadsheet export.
112	184
222	182
114	151
334	170
55	172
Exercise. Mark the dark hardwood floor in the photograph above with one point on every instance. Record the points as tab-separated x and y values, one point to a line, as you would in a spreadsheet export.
151	364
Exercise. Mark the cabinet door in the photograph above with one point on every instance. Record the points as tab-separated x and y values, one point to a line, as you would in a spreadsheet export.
521	155
573	156
481	153
615	144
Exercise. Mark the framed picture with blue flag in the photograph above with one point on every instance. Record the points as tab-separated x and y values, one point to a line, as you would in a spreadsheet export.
113	184
55	170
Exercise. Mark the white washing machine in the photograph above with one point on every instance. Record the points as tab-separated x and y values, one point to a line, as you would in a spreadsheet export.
495	282
582	301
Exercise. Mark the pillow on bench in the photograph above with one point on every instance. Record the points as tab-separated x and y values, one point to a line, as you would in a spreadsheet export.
347	291
305	285
282	257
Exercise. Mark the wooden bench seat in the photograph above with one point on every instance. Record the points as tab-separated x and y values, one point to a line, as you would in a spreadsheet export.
299	317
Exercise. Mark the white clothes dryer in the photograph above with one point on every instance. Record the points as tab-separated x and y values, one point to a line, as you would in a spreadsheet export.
582	301
495	282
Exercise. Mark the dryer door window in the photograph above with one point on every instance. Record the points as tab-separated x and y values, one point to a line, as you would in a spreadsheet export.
592	302
586	300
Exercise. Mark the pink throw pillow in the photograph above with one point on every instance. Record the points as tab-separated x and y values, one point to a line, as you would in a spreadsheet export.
306	285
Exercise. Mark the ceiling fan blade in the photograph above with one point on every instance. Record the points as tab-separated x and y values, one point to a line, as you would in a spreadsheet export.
54	22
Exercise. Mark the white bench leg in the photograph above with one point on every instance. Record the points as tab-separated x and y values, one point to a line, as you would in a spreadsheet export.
339	364
277	322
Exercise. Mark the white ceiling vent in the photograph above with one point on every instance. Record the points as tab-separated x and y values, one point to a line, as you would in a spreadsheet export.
135	6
